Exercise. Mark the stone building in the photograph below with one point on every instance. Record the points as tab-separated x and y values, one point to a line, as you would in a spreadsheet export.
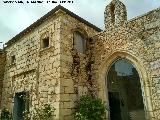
61	56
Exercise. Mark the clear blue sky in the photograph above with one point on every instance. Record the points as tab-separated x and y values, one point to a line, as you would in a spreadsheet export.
16	17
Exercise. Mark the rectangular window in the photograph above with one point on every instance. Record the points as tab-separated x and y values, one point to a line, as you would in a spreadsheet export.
45	42
13	59
79	42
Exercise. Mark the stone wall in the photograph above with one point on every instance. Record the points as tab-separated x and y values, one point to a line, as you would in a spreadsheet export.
50	75
2	68
147	28
36	69
46	73
145	21
138	41
73	82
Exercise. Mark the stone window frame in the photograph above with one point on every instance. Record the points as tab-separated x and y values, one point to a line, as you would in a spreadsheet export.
44	36
12	58
84	35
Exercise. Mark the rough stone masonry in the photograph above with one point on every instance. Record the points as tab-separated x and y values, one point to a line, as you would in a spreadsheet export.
45	60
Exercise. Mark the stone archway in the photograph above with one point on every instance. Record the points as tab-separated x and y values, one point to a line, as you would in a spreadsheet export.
124	91
102	81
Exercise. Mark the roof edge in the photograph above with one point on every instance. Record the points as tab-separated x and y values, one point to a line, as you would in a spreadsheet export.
40	20
145	14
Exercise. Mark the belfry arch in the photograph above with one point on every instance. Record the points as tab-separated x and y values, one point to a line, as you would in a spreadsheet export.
143	78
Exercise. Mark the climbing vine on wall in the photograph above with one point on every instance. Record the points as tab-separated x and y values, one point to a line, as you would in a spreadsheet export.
76	63
88	68
76	66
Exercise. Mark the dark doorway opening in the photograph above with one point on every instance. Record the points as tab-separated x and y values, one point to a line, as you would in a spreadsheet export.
20	105
124	92
114	104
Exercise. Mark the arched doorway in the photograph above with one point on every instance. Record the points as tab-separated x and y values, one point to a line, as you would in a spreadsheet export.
124	92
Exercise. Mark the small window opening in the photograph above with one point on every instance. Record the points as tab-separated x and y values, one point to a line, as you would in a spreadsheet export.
112	9
45	42
79	42
13	59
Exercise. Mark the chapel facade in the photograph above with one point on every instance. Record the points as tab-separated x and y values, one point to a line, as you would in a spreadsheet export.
61	57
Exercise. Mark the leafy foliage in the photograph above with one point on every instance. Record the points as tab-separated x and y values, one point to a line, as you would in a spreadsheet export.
90	108
6	115
44	113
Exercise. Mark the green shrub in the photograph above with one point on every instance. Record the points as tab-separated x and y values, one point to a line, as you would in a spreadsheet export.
43	113
90	108
6	115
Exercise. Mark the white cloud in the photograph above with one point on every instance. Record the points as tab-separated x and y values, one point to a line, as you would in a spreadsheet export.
16	17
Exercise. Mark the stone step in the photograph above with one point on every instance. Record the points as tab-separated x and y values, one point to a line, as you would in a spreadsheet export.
137	115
